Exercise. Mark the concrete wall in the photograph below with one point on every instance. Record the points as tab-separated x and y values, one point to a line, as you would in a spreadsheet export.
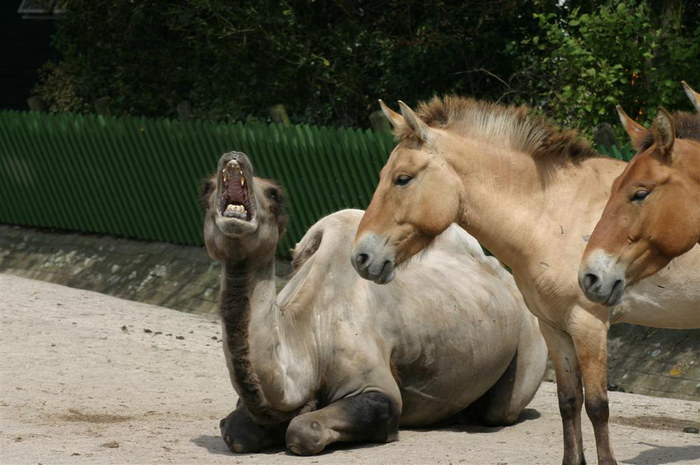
642	360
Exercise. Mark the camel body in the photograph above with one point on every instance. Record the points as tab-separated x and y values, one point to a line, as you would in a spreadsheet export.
334	357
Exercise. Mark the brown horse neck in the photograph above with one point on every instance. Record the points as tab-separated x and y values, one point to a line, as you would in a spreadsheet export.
517	204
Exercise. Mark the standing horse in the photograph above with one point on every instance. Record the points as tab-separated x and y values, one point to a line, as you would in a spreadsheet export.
653	214
530	194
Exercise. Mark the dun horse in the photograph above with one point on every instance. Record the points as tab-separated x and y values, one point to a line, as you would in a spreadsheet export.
531	195
653	214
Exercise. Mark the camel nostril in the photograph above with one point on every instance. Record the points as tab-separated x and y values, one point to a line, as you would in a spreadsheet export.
589	280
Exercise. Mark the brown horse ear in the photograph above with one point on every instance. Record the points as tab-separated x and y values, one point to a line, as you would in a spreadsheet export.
692	95
636	131
394	118
417	125
664	131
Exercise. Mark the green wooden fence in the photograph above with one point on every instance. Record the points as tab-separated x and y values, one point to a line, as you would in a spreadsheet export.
139	178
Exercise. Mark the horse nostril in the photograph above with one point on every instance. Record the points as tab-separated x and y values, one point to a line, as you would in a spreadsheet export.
589	280
361	258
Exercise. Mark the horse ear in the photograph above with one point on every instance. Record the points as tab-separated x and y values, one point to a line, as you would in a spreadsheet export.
664	131
394	118
417	125
692	95
636	131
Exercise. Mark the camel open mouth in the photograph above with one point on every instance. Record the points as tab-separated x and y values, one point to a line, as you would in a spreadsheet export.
235	198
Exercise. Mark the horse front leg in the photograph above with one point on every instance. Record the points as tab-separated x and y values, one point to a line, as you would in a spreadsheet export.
590	335
569	391
370	416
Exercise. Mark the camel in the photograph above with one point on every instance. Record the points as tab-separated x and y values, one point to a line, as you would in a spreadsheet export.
334	357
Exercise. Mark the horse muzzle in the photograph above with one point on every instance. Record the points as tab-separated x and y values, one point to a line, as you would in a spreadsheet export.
601	280
373	259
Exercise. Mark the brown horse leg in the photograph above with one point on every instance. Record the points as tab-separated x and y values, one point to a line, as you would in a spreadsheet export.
591	342
370	416
569	391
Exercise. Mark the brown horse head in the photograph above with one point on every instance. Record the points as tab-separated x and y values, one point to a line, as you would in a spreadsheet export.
653	213
418	196
244	216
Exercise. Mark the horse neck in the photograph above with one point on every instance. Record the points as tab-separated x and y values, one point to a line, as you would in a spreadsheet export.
690	167
251	329
518	206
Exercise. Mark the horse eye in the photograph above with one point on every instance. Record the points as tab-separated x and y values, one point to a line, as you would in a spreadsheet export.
402	180
639	196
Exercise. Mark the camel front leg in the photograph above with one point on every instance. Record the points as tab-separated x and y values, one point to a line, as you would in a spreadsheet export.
569	391
590	335
370	416
243	435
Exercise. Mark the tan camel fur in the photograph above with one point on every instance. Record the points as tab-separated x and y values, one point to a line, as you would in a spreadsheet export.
334	357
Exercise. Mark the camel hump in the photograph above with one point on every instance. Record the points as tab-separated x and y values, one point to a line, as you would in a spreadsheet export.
337	228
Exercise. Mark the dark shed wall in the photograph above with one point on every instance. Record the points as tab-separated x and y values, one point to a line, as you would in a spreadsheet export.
25	45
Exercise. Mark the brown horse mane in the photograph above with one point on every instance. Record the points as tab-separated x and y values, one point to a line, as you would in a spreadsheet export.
687	127
514	126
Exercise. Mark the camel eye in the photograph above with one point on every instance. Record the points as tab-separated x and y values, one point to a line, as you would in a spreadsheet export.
274	195
639	195
402	180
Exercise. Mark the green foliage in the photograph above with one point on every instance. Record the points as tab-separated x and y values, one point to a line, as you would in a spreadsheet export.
328	61
583	64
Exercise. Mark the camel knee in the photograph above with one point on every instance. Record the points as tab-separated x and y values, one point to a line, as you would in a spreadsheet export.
307	436
500	417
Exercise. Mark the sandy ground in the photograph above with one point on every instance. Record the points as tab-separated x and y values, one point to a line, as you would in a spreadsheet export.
91	379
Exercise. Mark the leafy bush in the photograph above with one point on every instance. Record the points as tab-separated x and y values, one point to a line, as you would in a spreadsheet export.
328	61
583	64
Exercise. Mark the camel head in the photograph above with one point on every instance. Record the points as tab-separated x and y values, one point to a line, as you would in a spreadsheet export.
244	216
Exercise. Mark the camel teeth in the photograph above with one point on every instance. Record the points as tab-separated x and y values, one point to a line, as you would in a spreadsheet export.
235	211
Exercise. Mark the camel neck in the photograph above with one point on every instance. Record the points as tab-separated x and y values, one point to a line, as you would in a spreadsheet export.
268	352
244	289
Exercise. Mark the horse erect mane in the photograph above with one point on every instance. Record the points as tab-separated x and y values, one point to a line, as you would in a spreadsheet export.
514	127
687	127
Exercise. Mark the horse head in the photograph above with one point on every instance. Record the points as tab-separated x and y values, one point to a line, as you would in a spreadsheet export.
653	212
417	198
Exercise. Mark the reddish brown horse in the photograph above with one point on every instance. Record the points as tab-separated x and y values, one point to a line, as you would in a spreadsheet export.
531	194
653	214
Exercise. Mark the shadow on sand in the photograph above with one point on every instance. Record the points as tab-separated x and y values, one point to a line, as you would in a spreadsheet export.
665	454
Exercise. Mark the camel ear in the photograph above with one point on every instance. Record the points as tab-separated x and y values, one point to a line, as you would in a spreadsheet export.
636	131
394	118
664	131
692	95
417	125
